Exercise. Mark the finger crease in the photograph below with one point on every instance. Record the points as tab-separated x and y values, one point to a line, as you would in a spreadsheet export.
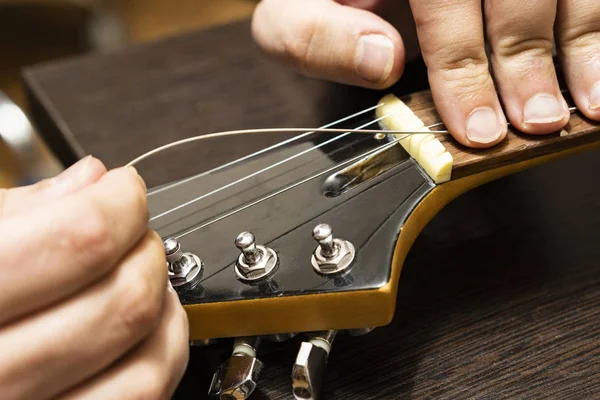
513	47
577	38
300	46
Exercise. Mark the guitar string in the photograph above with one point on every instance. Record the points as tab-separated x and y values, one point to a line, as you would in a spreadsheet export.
289	187
346	133
227	133
271	130
262	151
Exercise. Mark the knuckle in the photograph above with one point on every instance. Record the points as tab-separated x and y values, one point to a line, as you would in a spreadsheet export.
142	295
86	231
467	73
577	38
134	196
528	58
516	46
466	55
44	184
140	307
582	28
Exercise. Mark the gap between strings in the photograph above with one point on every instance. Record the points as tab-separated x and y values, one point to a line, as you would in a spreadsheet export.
213	192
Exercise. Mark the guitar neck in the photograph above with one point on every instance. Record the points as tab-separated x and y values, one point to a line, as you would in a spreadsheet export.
517	147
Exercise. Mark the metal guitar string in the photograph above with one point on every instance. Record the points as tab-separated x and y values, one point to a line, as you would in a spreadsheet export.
346	133
289	187
272	130
262	151
236	132
227	133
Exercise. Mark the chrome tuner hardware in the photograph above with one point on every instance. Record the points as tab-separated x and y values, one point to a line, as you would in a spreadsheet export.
236	379
332	255
256	263
183	267
309	369
280	337
360	331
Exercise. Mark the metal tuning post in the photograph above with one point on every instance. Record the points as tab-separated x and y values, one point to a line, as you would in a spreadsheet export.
333	255
360	331
236	379
257	262
184	268
310	366
280	337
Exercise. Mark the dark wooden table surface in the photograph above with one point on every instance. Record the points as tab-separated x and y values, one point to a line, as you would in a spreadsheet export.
500	295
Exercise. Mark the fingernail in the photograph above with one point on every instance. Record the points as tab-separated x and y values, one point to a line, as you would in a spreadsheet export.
374	57
595	96
542	109
484	126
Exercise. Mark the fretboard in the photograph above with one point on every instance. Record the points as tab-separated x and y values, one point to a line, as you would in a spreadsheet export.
516	146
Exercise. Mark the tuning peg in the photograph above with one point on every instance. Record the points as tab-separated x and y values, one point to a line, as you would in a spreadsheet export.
184	268
257	262
236	379
333	255
311	363
280	337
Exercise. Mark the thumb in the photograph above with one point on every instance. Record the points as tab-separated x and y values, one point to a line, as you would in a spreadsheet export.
330	41
81	174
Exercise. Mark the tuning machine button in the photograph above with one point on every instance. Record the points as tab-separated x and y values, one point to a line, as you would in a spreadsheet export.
236	379
310	366
333	255
257	262
184	268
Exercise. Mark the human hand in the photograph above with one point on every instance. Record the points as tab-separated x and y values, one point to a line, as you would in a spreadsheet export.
346	41
86	310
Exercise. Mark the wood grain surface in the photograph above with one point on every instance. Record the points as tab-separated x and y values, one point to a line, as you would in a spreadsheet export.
500	295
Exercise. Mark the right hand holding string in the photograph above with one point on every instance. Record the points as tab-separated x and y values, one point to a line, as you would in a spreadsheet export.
86	310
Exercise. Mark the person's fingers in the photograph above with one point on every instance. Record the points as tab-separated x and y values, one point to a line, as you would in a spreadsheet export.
23	199
330	41
578	43
520	36
452	42
153	370
55	349
54	251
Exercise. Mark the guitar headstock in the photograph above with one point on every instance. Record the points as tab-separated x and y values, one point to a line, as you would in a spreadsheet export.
302	236
310	235
297	238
